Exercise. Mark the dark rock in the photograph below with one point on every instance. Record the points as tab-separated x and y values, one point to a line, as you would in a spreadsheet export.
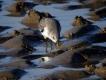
23	31
94	4
95	38
15	14
19	8
98	14
99	71
66	75
59	1
17	41
47	66
18	73
74	44
47	15
76	32
90	68
54	53
17	51
44	2
104	60
15	33
12	74
80	21
78	56
2	28
2	55
71	7
19	63
32	57
20	41
103	30
67	58
4	39
97	47
32	19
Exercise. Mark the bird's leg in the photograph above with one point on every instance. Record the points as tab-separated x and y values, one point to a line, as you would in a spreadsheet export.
46	46
51	46
57	44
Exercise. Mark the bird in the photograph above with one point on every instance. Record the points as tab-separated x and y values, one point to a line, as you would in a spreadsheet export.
50	28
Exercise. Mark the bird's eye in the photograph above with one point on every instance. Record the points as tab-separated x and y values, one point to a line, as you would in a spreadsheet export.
42	30
53	38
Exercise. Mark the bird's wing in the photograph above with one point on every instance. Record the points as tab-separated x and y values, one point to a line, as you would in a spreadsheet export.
53	24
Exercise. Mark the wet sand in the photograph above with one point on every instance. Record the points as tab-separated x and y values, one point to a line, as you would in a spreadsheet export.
23	53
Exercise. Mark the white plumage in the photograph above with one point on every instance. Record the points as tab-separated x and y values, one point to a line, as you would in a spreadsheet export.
50	28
